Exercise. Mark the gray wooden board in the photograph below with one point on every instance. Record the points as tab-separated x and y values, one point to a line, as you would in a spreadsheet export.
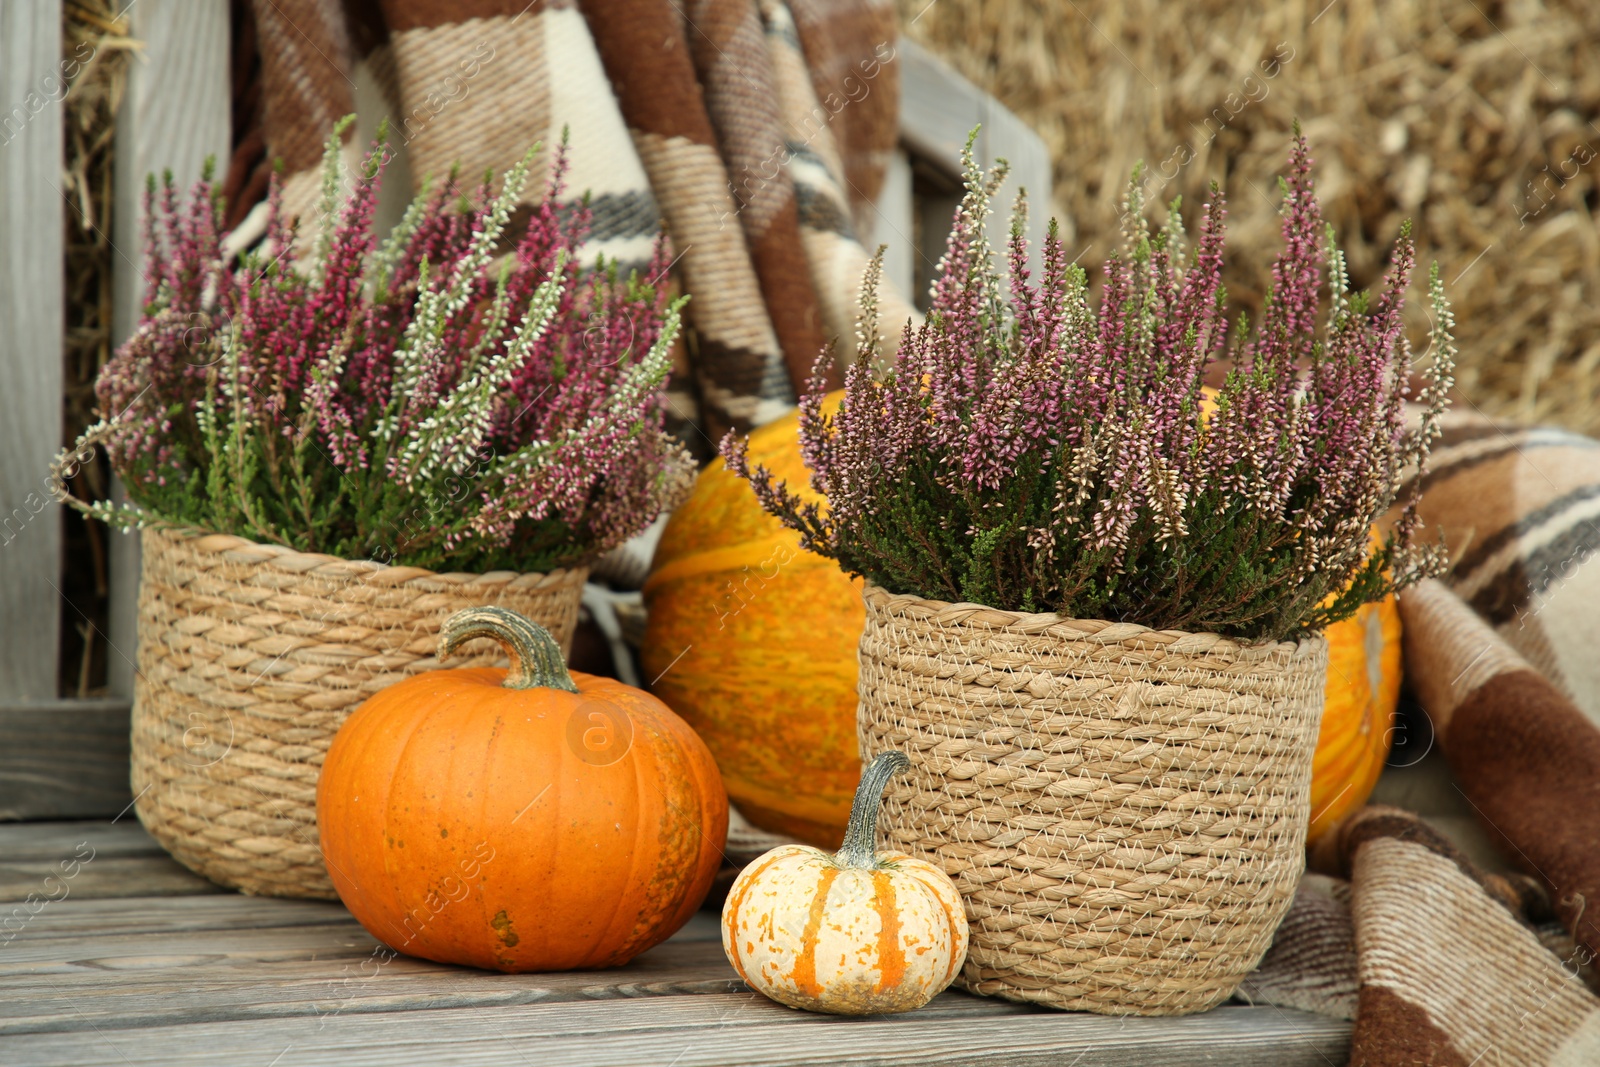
734	1028
88	860
105	876
939	108
236	979
57	840
174	114
65	759
32	209
180	986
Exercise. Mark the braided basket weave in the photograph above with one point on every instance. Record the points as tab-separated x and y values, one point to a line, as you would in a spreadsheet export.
250	658
1123	809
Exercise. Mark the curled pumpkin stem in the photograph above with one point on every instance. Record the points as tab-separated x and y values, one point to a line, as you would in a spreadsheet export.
536	661
858	850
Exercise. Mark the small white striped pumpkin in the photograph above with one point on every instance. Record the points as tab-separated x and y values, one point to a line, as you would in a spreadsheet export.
855	932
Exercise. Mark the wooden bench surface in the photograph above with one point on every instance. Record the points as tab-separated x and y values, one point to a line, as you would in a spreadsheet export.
136	961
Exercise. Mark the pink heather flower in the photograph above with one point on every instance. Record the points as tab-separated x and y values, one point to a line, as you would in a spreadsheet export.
427	399
1033	453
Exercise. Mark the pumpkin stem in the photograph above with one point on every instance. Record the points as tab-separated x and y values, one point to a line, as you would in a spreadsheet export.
859	836
535	657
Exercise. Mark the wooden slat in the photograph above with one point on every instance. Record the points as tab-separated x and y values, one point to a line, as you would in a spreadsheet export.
160	916
174	115
254	979
88	860
247	958
233	979
704	1031
65	759
31	218
939	108
115	877
336	936
56	840
891	219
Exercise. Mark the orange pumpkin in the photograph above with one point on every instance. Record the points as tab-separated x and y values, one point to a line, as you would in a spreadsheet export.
755	644
1362	693
521	820
753	641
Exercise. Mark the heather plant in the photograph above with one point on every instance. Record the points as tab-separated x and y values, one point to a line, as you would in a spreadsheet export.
1028	451
442	399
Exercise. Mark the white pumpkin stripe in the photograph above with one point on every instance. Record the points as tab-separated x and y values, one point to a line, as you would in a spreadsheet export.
943	891
742	886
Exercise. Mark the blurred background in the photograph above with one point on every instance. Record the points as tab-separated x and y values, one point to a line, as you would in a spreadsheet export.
1474	119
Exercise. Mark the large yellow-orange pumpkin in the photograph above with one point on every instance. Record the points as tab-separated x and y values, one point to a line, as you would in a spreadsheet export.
755	644
753	641
528	820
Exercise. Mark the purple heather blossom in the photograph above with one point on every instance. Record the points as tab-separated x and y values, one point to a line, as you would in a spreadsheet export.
1030	451
510	396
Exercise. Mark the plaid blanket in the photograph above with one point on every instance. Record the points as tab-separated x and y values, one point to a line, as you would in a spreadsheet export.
1438	961
756	133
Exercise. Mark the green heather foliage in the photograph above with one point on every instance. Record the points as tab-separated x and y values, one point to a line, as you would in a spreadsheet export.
1031	453
427	401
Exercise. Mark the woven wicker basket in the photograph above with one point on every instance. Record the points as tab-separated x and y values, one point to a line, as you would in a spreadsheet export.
250	657
1123	809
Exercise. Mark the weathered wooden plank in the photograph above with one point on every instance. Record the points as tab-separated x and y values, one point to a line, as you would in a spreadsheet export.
938	109
176	985
705	1031
239	979
175	113
221	947
56	840
165	962
158	916
892	225
105	876
57	937
66	759
224	970
31	287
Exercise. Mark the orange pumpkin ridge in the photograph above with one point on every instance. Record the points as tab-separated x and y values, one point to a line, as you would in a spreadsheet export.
805	967
455	785
891	957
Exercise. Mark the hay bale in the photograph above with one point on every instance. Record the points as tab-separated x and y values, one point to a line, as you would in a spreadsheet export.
1476	120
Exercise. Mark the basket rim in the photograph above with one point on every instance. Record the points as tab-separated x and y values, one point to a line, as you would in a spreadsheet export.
1098	631
282	557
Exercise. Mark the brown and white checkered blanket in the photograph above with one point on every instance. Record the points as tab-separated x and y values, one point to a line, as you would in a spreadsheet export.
756	131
